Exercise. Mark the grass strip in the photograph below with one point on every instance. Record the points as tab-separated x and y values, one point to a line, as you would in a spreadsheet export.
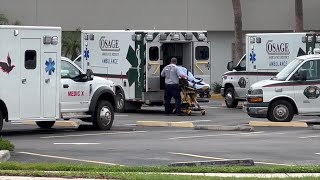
102	168
126	176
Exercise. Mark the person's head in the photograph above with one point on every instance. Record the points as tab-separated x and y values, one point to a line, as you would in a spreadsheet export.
174	60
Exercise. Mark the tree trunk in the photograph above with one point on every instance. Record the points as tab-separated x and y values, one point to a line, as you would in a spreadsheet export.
237	29
298	16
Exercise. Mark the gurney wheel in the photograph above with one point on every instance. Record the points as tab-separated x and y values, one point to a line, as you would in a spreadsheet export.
203	113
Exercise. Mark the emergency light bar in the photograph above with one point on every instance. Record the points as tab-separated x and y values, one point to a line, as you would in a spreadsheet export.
202	37
149	37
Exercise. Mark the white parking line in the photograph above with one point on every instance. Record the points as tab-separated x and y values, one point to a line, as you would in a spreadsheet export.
306	137
216	135
76	143
72	159
217	158
317	153
97	134
121	115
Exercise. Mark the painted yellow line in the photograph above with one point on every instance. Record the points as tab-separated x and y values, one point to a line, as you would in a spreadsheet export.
217	158
277	124
72	159
57	123
97	134
164	124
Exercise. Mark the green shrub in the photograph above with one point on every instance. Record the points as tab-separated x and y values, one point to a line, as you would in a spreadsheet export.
6	144
216	87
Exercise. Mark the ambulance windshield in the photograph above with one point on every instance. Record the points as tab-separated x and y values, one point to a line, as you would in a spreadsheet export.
283	75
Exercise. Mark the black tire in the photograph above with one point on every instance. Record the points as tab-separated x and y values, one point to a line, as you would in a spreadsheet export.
229	98
103	122
1	121
45	124
281	111
120	101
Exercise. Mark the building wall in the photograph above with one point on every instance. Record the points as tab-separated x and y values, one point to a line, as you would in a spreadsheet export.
213	15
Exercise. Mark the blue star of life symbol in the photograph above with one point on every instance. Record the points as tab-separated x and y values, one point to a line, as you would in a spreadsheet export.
50	66
87	53
253	57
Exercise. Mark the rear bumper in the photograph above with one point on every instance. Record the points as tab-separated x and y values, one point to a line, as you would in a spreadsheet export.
256	110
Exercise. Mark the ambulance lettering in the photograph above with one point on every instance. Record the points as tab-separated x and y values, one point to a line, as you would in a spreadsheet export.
75	93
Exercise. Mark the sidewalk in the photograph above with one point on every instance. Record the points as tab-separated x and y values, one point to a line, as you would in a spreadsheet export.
237	175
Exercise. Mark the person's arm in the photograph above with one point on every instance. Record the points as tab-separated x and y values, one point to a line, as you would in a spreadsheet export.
163	74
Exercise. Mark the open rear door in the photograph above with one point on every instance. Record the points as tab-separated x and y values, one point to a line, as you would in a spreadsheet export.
153	66
201	61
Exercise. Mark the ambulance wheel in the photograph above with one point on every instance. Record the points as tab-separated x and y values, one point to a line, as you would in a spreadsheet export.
281	111
120	101
230	100
1	120
45	124
103	116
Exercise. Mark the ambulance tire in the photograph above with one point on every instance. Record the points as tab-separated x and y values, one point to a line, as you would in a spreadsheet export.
230	101
281	111
103	116
45	124
1	120
120	101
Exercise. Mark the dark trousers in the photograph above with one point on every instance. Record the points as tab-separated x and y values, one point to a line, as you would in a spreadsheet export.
172	90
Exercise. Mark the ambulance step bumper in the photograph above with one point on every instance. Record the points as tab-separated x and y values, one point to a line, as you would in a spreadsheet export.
75	115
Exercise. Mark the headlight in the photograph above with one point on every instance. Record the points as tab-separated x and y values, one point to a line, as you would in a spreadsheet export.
255	99
255	92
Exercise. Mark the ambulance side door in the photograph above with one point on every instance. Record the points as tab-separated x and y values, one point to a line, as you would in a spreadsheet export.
307	92
74	92
201	61
153	66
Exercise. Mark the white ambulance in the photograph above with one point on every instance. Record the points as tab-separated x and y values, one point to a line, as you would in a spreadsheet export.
266	55
134	59
38	85
295	90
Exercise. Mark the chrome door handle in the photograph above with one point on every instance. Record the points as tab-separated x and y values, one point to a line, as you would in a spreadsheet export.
24	81
47	80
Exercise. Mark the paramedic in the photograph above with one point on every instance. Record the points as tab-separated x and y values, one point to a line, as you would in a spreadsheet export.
172	74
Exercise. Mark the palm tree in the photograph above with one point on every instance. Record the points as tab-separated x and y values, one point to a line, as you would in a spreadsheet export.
299	16
71	44
3	20
237	29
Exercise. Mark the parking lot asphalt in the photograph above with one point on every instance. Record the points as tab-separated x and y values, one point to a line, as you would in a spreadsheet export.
131	145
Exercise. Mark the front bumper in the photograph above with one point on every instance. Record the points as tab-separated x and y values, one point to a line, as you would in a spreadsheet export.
256	110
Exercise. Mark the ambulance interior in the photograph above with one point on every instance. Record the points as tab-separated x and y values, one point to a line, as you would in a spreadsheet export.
181	51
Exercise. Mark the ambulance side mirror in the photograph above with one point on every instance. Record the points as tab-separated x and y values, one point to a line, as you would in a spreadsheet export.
230	66
89	74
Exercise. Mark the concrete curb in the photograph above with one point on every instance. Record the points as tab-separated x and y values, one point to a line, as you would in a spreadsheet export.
164	124
244	162
316	127
223	128
57	123
4	155
277	124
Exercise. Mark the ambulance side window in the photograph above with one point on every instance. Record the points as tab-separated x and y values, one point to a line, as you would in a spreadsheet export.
68	70
30	59
312	68
202	53
154	53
